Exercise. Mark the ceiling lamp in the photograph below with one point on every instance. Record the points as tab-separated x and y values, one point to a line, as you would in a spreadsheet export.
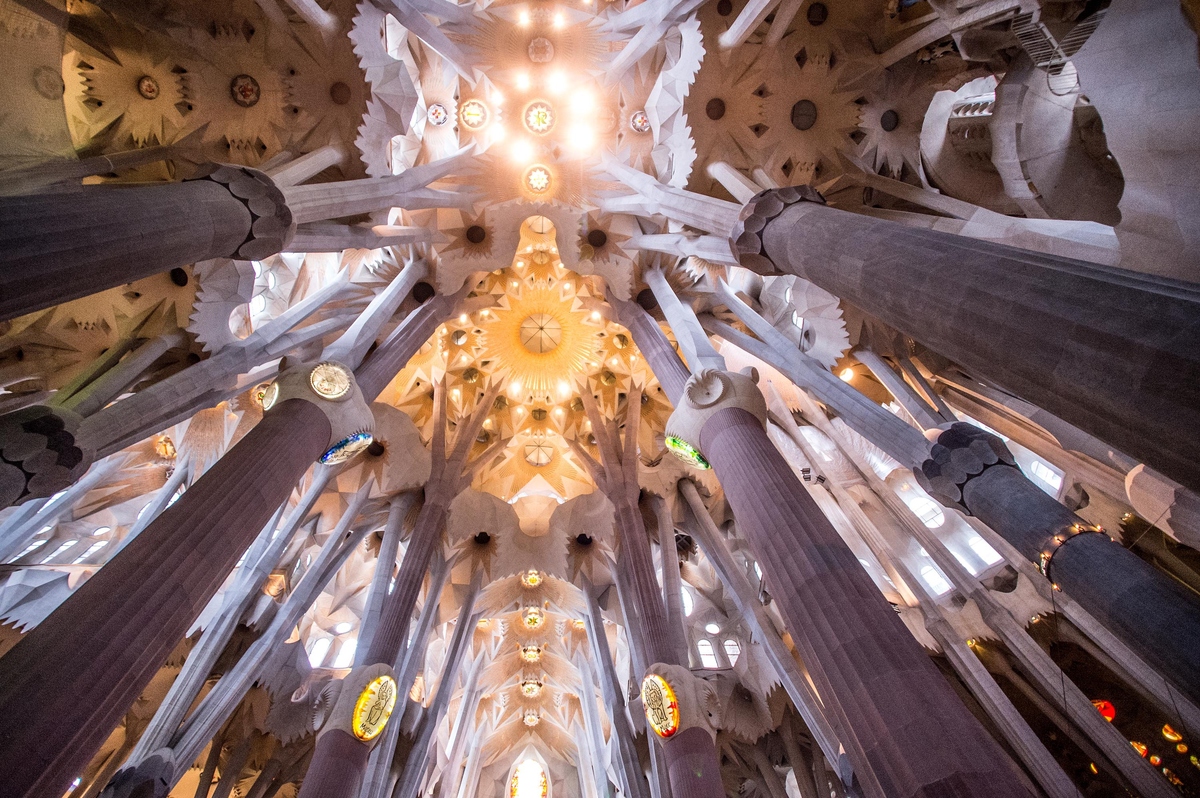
534	618
537	180
473	114
539	117
531	578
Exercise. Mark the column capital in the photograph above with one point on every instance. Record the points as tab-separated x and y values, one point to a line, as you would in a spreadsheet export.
761	209
706	394
40	453
959	453
331	387
271	224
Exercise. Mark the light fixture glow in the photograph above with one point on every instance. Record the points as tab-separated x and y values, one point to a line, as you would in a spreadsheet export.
847	374
559	20
523	18
522	151
556	83
582	102
522	81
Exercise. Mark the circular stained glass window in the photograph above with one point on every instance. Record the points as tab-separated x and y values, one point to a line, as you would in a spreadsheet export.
473	114
330	380
537	180
147	87
541	50
539	117
640	122
438	115
245	90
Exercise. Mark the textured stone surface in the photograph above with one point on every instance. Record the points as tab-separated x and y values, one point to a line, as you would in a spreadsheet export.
66	684
66	244
271	224
763	208
39	455
960	453
893	710
1115	353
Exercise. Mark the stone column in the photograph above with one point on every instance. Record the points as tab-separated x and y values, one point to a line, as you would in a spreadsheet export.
62	245
414	768
1113	352
907	397
973	471
340	760
66	683
906	731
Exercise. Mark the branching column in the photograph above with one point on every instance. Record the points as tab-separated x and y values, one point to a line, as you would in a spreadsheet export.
906	731
340	759
916	736
1113	352
691	756
62	245
973	471
65	684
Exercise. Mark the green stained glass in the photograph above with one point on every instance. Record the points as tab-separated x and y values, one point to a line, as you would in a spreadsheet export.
686	452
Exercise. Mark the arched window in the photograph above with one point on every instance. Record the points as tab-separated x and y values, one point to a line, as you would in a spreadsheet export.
689	603
733	650
937	583
927	510
708	657
984	551
529	781
316	654
345	655
92	549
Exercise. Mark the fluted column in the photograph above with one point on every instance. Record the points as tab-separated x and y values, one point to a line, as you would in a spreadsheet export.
1114	352
65	684
973	471
62	245
915	735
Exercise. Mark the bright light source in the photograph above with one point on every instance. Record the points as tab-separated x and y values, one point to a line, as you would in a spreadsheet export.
556	83
498	132
582	138
847	374
582	102
522	151
463	318
559	20
711	628
342	628
522	81
523	18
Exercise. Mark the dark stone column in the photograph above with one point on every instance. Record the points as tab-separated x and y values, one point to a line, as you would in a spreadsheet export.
691	756
39	453
1113	352
62	245
972	470
890	702
66	684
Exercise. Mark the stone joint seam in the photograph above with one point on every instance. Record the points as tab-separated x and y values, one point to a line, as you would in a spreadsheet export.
762	208
271	224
